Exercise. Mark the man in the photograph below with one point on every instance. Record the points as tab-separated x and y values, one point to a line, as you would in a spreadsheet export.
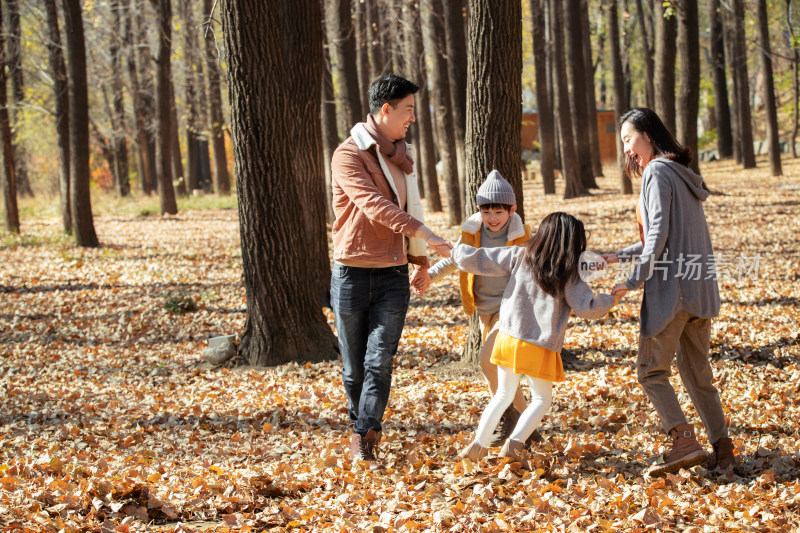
378	231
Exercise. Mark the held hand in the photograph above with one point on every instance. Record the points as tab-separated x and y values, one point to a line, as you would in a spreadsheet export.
610	258
441	246
420	281
619	291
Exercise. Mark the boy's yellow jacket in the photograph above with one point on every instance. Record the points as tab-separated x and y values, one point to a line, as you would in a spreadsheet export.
518	234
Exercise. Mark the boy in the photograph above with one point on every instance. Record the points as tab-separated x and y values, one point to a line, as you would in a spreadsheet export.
496	224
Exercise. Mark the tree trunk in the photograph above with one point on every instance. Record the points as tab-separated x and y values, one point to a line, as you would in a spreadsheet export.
665	28
7	178
362	54
769	91
572	183
456	43
494	113
619	93
343	43
743	100
284	320
591	98
545	111
58	69
377	62
18	95
301	25
118	138
80	195
192	106
178	172
164	129
426	153
689	86
576	94
795	58
647	45
730	54
330	137
722	111
433	36
139	60
222	179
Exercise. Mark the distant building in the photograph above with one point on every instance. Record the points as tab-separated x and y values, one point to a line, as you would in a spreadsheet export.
606	131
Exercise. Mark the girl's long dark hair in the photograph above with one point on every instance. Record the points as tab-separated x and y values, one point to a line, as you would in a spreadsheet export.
553	253
664	143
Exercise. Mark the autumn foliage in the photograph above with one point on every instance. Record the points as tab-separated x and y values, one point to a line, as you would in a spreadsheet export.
110	421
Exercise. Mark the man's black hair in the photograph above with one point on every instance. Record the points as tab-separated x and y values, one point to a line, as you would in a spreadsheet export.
389	88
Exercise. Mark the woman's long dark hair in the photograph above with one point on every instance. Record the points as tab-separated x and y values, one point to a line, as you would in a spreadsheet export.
553	253
664	143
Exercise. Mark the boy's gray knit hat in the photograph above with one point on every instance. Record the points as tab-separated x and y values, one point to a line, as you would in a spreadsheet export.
495	190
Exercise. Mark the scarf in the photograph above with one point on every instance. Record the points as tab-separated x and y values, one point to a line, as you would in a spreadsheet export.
394	151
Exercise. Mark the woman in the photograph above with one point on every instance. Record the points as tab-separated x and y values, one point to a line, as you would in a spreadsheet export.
674	263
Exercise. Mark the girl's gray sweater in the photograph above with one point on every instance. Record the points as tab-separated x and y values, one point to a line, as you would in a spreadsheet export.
527	312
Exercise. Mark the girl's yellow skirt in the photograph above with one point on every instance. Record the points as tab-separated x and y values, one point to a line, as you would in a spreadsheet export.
526	358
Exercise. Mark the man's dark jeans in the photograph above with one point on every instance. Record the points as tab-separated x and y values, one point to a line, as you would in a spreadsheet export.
370	305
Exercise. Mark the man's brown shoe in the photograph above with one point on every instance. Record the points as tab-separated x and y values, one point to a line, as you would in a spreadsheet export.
365	449
685	453
722	457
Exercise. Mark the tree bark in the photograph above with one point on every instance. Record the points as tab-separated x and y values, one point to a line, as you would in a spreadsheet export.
456	43
118	137
330	137
647	45
730	53
743	100
362	53
341	36
572	183
689	86
301	25
494	113
773	140
722	111
543	107
193	128
164	129
664	86
18	94
284	320
576	94
619	93
426	153
795	57
7	178
139	70
377	62
222	179
80	195
591	97
58	69
433	36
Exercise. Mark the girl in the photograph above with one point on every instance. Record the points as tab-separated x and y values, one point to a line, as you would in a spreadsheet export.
543	288
675	267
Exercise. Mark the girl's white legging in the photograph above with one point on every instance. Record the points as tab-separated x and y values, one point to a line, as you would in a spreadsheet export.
507	383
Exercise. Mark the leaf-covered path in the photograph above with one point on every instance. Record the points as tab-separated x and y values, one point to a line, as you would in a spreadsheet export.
108	420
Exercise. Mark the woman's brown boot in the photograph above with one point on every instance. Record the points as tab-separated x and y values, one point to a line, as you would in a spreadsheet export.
474	452
515	450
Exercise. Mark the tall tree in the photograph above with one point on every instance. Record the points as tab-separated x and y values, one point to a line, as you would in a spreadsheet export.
619	92
80	195
301	25
118	135
426	153
178	173
194	93
689	86
18	94
166	192
330	137
664	85
773	140
589	93
722	111
140	73
284	320
7	178
577	89
362	53
572	183
494	113
58	70
376	60
742	106
456	46
729	28
543	107
433	36
342	39
795	58
645	28
222	180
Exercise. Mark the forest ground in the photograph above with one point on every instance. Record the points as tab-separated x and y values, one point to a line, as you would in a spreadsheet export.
110	421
